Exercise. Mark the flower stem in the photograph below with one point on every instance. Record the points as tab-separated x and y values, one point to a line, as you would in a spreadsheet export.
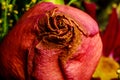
13	2
55	1
5	26
71	1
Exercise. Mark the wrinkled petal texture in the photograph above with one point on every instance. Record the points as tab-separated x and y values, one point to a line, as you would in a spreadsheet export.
51	42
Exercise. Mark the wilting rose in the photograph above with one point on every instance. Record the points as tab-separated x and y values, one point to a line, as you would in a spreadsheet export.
51	42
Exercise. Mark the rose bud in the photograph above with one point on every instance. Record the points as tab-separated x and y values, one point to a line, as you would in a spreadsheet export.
51	42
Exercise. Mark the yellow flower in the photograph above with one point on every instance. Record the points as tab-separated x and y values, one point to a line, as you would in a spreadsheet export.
3	5
0	21
34	1
10	7
15	11
106	69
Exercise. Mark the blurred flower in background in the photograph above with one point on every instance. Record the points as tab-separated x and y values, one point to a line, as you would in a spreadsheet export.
110	59
105	12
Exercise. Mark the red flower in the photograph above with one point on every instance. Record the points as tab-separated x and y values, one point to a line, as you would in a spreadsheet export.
116	54
90	9
109	37
51	42
111	45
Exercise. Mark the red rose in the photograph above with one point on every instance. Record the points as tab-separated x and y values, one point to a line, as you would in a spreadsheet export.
51	42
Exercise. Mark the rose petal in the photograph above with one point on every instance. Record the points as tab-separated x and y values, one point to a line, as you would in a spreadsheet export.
31	49
91	31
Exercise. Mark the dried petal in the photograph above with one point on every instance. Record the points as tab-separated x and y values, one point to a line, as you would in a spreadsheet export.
51	42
